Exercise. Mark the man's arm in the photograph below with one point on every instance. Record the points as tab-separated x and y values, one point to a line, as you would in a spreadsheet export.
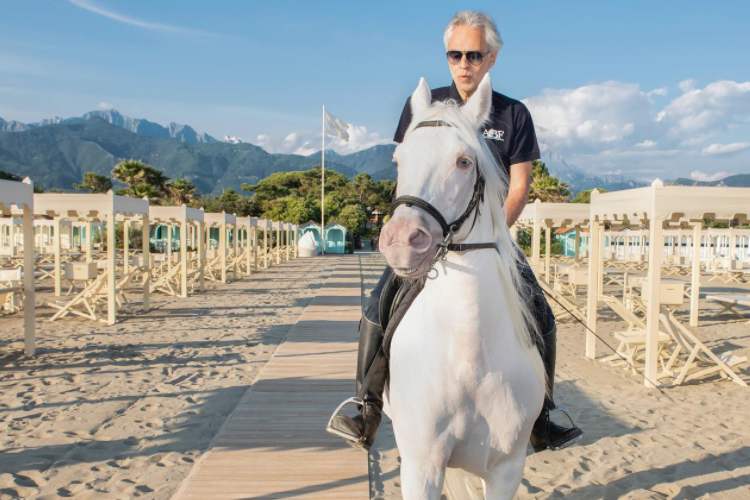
518	190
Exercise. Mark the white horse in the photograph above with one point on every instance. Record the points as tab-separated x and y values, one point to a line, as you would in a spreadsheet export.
466	380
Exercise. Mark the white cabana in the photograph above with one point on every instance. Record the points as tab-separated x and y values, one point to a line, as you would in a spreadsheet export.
221	261
247	259
266	226
19	196
177	278
548	216
655	208
110	209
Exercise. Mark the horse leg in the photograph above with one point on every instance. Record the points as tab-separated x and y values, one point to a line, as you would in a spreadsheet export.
502	482
421	479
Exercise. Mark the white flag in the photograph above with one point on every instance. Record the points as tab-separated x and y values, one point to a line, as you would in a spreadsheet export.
336	127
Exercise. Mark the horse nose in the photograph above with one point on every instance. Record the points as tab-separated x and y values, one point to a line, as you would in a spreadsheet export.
405	233
419	239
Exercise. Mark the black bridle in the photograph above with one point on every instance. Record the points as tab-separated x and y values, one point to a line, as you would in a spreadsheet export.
450	229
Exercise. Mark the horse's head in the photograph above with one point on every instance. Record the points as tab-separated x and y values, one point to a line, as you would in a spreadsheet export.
438	163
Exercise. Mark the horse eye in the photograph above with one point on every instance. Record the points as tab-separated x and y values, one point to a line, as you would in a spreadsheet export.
464	162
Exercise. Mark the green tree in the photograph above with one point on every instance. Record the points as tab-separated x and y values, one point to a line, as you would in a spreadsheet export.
94	183
181	192
230	201
546	187
353	218
142	180
585	195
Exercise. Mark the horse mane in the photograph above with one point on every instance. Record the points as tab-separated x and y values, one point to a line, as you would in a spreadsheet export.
496	185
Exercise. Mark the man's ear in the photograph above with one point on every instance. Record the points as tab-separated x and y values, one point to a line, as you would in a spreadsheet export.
477	109
421	99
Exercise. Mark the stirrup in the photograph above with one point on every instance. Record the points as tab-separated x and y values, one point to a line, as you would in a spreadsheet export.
356	441
572	425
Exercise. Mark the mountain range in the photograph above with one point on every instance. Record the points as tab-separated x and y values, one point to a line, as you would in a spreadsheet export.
57	152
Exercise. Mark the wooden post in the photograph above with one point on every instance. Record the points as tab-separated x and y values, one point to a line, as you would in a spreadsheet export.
653	304
201	240
89	241
111	276
169	245
536	234
265	245
183	258
248	251
236	246
223	248
56	241
592	292
28	280
277	253
146	251
695	278
577	243
547	252
125	246
255	246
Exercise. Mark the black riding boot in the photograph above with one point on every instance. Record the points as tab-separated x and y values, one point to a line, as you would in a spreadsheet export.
546	433
372	367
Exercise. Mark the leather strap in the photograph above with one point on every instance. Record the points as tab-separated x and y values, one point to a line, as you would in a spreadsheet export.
465	247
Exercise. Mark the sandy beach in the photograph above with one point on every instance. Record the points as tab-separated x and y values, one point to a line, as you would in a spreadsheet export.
125	411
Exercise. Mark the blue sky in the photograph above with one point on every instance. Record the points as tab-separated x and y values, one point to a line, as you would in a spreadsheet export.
641	88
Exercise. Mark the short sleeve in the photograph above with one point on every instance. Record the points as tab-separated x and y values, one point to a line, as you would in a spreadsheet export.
524	147
403	123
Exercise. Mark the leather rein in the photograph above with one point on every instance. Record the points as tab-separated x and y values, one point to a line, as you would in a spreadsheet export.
450	229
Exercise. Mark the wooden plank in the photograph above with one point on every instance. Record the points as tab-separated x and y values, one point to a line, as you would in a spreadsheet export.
274	443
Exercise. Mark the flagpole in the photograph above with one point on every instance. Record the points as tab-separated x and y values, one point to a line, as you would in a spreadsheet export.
323	184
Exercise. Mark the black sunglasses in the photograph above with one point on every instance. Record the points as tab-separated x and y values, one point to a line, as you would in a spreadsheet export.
474	57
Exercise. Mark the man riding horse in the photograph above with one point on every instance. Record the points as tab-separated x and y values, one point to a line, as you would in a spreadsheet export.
472	44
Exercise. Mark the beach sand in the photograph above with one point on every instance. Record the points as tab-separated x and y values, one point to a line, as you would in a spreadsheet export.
123	411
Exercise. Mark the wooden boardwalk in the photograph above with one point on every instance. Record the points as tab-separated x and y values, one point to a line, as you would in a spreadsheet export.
274	444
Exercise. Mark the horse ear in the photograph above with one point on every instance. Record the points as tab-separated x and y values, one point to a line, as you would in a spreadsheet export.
477	109
421	99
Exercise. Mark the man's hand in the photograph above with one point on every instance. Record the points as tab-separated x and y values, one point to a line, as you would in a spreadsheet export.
518	190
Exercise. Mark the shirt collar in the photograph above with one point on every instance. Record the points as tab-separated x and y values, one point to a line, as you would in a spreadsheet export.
453	92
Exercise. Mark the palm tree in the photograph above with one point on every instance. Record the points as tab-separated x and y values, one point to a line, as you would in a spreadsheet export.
142	180
181	191
94	183
546	187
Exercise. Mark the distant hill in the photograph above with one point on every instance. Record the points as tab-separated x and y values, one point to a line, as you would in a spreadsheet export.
56	152
739	180
56	156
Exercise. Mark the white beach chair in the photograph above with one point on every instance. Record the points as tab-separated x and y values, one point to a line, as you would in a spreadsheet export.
730	301
696	359
11	290
632	342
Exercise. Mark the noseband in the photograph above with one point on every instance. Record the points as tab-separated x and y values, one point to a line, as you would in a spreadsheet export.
449	229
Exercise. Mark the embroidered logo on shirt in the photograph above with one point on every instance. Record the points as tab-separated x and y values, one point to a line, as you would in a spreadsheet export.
495	135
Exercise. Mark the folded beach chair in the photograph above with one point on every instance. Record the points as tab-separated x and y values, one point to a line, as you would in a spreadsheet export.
632	342
730	301
697	360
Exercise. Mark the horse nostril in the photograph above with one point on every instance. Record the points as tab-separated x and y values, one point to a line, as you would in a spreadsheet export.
419	239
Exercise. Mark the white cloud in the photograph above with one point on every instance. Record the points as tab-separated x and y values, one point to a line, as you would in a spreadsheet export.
590	116
718	106
615	126
104	105
91	6
661	92
686	85
725	149
307	143
697	175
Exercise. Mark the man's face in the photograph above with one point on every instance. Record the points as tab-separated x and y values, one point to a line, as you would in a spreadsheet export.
465	74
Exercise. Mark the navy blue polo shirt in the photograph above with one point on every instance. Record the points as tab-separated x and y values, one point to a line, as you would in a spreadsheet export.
509	132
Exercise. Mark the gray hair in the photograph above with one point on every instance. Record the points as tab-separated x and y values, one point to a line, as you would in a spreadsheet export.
475	19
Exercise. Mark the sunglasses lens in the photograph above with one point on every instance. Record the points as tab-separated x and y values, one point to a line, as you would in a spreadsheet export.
475	57
454	56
